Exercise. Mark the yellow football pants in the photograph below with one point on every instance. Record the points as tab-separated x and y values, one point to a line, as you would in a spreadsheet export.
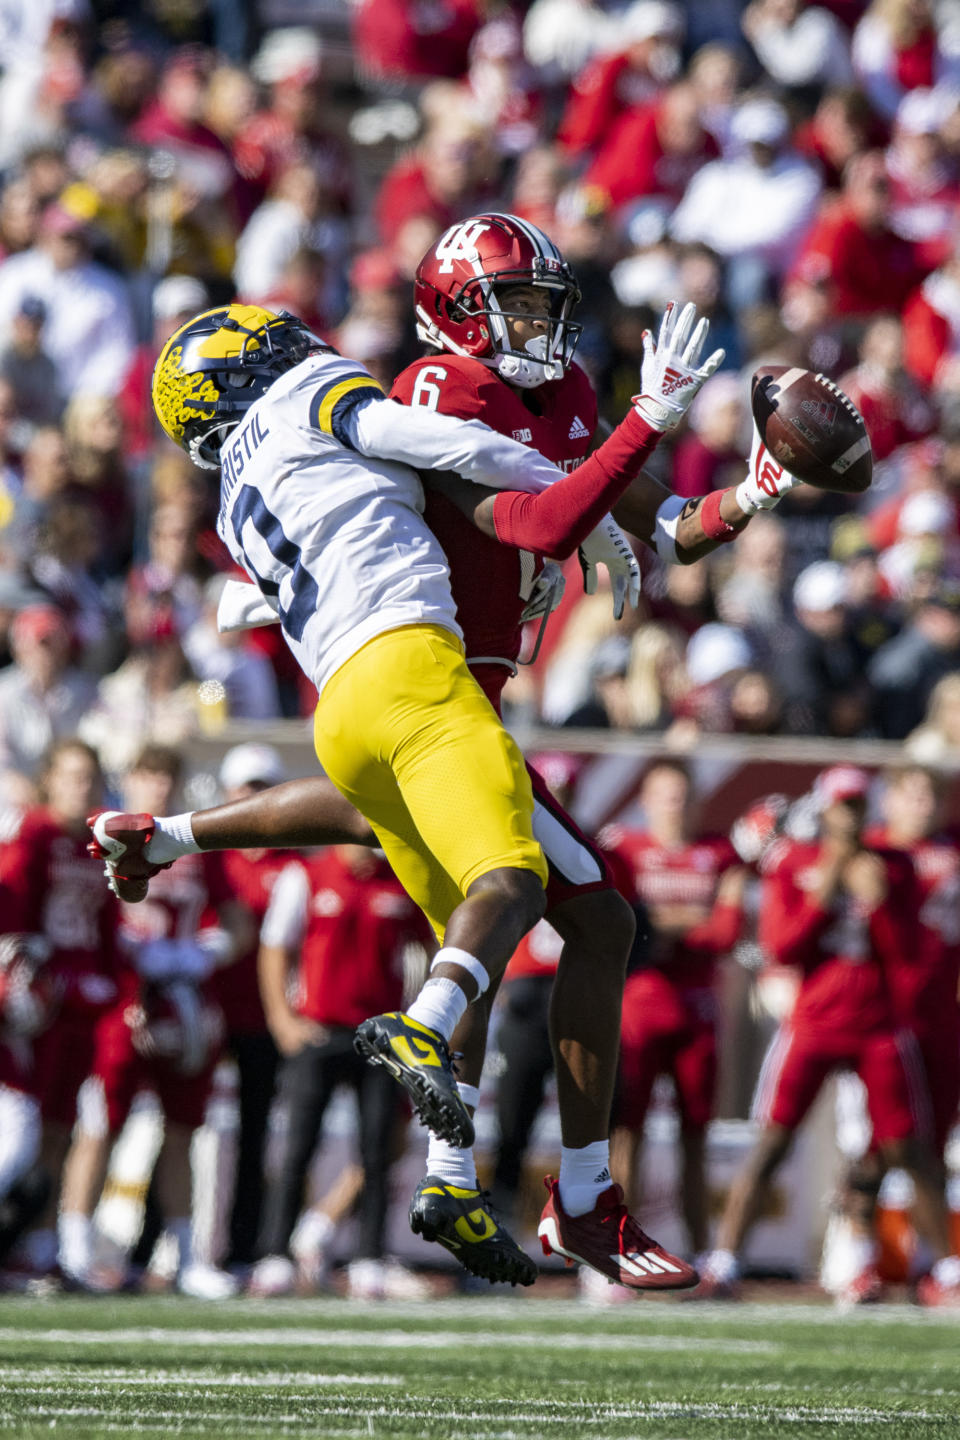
406	734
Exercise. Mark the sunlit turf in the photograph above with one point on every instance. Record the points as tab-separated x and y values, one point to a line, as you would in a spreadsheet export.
478	1368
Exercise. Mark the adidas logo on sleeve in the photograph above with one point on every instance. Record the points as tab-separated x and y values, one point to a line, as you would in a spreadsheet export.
578	431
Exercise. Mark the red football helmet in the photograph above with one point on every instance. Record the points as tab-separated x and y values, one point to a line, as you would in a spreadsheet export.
458	288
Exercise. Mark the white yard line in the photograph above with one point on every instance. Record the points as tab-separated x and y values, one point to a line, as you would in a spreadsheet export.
388	1339
26	1378
584	1415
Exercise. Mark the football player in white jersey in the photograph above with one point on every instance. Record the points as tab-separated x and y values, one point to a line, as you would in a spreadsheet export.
319	506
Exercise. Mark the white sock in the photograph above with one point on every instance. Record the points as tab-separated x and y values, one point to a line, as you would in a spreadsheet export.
172	838
946	1272
722	1266
584	1174
75	1242
451	1164
440	1005
182	1232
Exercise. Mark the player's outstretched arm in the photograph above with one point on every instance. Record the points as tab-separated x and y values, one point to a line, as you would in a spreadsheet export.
682	531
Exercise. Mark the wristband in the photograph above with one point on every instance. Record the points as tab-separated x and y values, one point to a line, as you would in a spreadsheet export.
714	525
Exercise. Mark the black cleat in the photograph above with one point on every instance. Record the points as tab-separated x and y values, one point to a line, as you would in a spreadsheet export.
465	1223
419	1059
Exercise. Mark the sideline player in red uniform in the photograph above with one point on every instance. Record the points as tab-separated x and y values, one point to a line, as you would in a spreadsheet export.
843	913
691	888
49	886
494	299
170	945
923	980
341	922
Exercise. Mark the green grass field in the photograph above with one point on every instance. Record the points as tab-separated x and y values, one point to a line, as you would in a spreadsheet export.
477	1368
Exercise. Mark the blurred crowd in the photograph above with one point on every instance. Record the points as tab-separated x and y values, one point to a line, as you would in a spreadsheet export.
794	169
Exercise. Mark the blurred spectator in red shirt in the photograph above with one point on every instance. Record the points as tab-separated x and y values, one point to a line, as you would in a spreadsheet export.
893	408
172	122
851	246
931	324
175	299
709	456
647	58
843	125
407	40
896	48
445	178
925	186
653	149
293	128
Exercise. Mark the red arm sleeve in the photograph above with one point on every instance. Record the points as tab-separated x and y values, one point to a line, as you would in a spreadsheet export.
718	933
592	105
557	520
790	925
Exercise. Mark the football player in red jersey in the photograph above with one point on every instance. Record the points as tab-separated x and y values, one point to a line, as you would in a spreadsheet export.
49	887
843	913
924	981
691	889
494	299
30	996
190	926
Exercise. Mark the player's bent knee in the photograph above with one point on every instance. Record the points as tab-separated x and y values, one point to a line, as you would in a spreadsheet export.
597	928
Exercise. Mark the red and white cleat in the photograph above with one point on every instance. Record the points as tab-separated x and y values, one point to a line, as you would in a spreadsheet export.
121	842
865	1288
932	1292
609	1240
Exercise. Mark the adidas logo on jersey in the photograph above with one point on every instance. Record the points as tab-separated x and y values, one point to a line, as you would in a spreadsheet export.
578	431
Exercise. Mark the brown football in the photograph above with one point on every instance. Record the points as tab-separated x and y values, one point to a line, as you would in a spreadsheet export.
812	428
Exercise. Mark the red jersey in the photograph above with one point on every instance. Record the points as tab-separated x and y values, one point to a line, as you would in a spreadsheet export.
250	875
357	929
537	954
491	582
925	977
845	954
654	874
51	886
866	271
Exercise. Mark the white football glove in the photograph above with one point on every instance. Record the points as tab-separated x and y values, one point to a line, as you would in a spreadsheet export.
767	482
671	373
547	592
607	545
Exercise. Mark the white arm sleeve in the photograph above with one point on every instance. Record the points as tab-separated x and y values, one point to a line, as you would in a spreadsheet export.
383	430
285	922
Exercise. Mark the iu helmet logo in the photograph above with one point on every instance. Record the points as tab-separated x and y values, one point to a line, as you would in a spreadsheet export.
459	243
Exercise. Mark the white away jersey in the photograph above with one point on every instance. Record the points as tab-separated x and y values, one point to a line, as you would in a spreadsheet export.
336	541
